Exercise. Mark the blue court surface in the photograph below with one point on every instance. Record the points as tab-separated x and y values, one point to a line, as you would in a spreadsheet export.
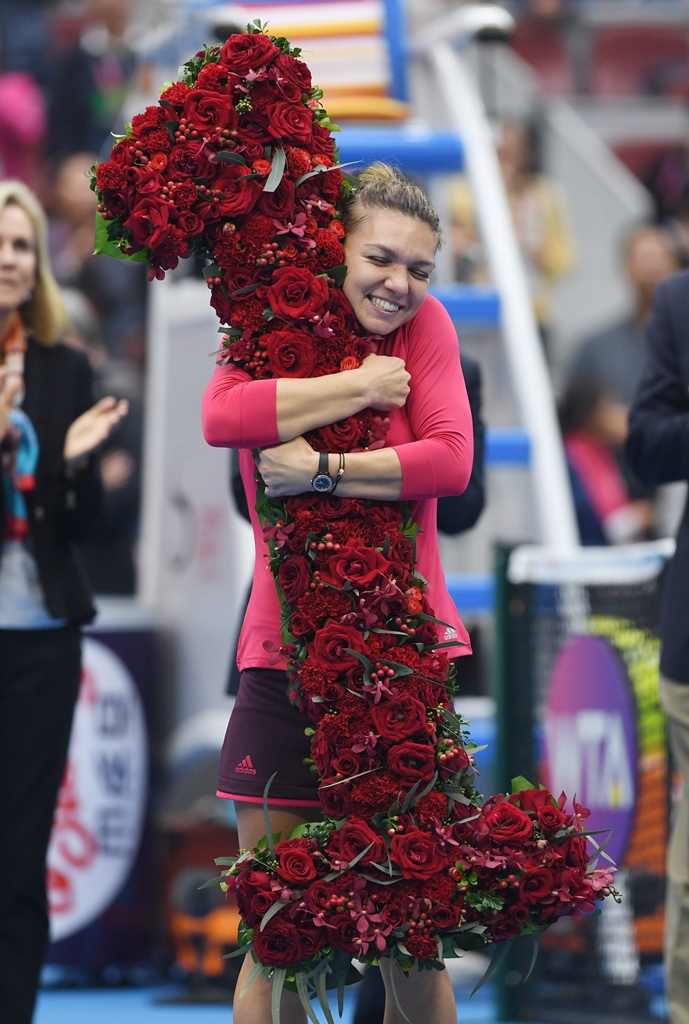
149	1005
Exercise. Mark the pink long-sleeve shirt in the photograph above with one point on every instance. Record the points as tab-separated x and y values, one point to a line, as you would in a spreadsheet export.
432	435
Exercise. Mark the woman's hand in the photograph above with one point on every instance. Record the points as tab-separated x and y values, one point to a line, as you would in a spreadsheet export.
288	468
93	427
10	386
386	379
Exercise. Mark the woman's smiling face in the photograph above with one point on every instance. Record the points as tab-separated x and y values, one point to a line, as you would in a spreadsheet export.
390	258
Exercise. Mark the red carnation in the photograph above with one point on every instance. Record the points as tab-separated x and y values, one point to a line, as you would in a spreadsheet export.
152	117
174	94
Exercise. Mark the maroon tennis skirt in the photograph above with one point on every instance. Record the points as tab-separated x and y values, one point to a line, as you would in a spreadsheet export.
265	734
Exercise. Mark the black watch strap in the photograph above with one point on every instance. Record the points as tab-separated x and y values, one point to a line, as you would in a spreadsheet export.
323	464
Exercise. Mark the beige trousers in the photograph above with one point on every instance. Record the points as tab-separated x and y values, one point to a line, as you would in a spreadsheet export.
675	700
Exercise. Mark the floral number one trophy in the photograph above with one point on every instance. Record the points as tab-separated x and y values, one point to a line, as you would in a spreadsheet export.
236	164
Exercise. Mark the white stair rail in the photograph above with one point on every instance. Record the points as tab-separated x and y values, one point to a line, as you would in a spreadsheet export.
526	363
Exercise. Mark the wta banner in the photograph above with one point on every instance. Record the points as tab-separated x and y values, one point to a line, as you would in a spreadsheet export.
97	857
578	702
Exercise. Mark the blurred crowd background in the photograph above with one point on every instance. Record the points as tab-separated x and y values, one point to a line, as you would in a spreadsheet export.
588	103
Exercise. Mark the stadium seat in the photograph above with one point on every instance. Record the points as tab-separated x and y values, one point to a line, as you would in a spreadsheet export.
542	46
626	58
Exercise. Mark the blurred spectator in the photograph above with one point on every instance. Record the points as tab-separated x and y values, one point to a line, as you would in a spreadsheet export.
539	215
117	288
616	354
594	427
92	81
23	125
108	555
668	180
24	31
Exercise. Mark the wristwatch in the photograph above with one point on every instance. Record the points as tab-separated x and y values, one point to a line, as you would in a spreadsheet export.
322	481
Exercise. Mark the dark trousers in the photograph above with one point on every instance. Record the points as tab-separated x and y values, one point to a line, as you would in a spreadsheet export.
39	682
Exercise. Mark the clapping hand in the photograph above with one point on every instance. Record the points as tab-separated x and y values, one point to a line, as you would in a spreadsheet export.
10	386
93	427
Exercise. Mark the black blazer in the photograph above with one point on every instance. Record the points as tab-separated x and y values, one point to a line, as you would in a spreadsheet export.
62	507
658	449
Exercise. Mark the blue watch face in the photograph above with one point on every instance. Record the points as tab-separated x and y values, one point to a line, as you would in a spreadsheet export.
322	482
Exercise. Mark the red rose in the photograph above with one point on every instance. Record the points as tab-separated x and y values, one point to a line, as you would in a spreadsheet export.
291	122
123	153
347	763
188	160
290	353
536	885
363	567
236	193
311	939
575	852
299	625
444	916
412	761
504	929
296	865
244	53
318	896
295	292
328	648
416	853
334	799
294	575
293	70
189	223
343	436
354	837
550	819
222	305
344	935
279	204
392	916
506	824
149	222
398	719
278	944
262	901
531	799
209	110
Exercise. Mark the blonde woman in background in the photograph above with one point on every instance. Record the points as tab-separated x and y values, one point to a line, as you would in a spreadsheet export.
50	493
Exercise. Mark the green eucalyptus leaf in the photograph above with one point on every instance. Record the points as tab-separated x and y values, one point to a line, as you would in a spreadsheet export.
277	167
227	156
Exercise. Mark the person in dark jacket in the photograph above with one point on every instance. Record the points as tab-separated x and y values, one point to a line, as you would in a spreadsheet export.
49	496
657	449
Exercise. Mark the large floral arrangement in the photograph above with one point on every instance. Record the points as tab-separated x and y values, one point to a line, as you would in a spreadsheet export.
236	164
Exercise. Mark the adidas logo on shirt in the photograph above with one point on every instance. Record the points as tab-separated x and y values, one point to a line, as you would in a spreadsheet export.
245	767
